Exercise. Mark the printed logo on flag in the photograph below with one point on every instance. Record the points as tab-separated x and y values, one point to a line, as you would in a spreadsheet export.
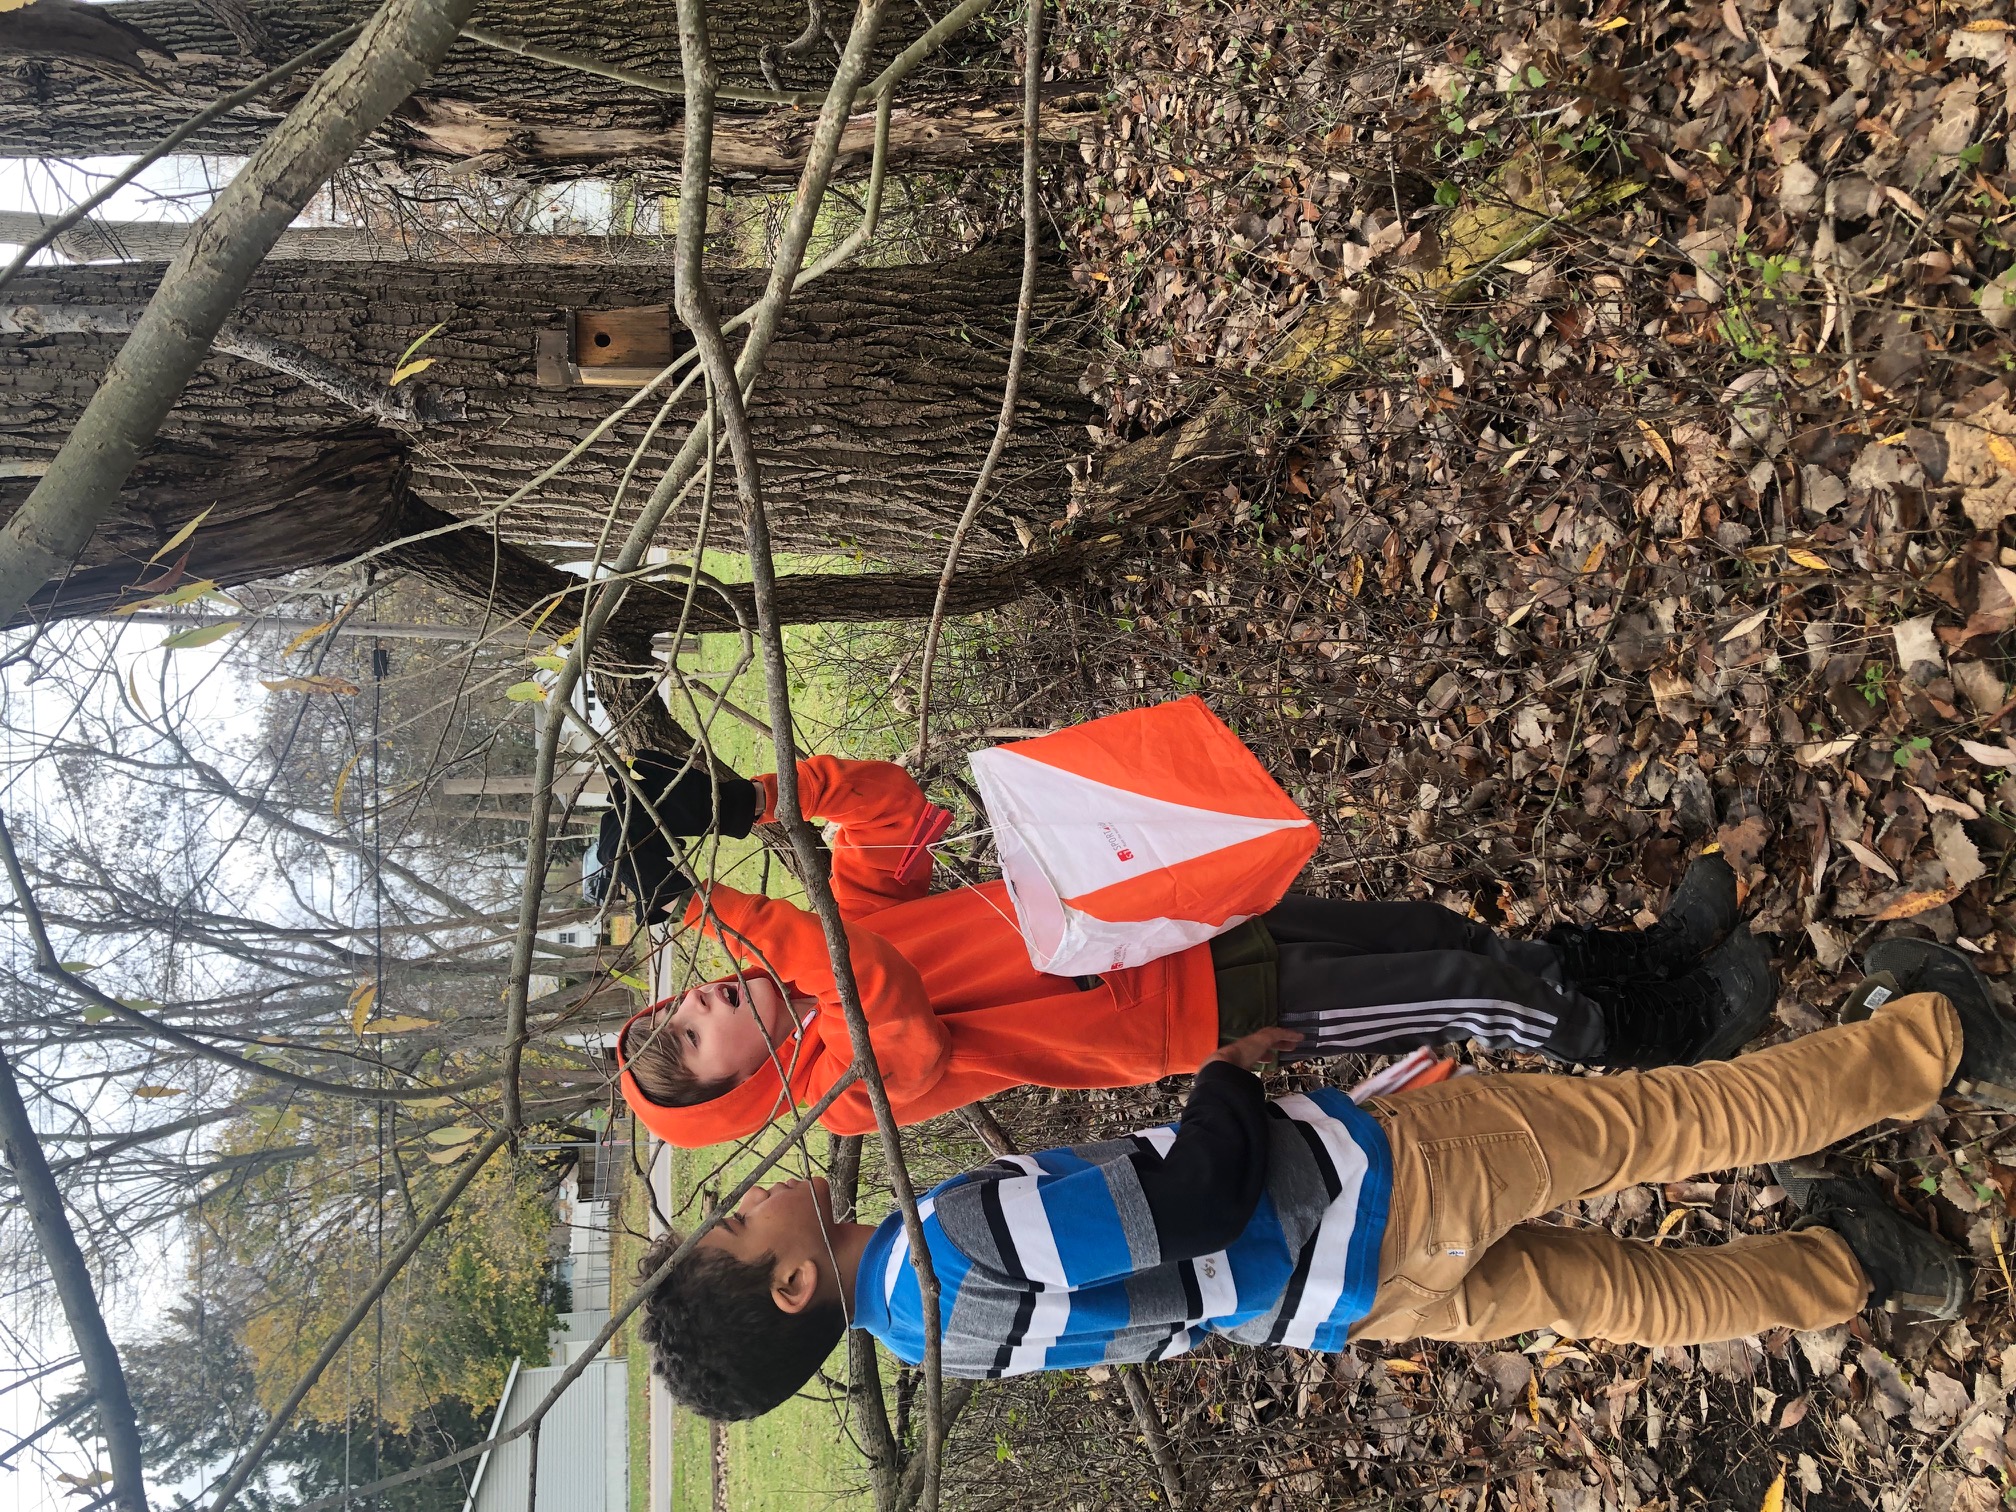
1119	846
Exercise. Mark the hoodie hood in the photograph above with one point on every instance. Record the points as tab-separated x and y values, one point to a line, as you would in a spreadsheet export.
735	1114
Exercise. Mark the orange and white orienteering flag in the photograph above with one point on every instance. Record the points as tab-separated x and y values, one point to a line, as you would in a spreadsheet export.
1137	835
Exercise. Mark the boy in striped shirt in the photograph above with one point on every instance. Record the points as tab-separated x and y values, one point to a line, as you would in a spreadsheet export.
1309	1222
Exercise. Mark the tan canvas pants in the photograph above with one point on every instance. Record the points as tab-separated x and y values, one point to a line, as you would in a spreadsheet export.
1477	1157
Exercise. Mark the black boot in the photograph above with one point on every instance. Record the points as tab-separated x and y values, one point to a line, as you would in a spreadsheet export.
1897	968
1909	1268
1709	1014
1702	911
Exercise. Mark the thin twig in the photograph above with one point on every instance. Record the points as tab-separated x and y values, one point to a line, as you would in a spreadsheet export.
48	964
698	313
1032	114
1148	1418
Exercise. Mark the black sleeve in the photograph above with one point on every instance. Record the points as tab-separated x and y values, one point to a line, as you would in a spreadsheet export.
1203	1192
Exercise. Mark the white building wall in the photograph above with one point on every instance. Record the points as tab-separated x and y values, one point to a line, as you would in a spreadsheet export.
583	1444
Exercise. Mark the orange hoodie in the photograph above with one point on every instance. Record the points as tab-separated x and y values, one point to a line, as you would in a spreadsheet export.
954	1008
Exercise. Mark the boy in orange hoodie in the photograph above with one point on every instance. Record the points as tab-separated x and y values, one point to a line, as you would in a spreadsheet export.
957	1012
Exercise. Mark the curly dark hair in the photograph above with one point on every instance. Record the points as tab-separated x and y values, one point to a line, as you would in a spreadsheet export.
720	1341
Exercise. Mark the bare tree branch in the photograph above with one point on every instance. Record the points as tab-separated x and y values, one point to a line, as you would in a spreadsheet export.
621	1315
44	1206
394	1264
170	142
396	50
47	963
1149	1419
1032	113
697	311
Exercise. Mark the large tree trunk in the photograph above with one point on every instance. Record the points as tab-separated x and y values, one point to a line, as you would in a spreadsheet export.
880	398
160	241
279	502
504	109
275	503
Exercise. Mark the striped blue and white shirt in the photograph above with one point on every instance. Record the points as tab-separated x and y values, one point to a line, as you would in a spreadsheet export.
1070	1258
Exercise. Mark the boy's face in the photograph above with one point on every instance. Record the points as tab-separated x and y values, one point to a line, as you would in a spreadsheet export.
791	1221
721	1027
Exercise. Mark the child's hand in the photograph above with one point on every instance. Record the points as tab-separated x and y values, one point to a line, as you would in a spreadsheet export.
1256	1048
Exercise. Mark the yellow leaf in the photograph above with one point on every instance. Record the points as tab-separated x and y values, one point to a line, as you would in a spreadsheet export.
180	536
1657	442
1807	558
525	692
2000	449
1914	903
428	1104
188	593
417	365
544	615
459	1134
1533	1398
1669	1223
1595	558
569	638
1406	1367
1615	23
310	685
343	781
634	983
446	1157
306	636
361	1000
157	1091
397	1024
1774	1495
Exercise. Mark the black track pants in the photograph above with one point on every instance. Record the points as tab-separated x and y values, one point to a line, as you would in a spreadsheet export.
1378	978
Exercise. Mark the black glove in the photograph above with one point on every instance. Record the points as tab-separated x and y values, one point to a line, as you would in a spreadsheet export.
684	797
631	848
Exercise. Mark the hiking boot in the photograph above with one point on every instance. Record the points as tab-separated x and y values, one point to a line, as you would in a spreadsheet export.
1897	968
1708	1014
1910	1269
1701	912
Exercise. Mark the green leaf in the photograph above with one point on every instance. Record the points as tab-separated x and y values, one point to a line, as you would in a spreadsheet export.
1534	77
525	692
199	635
459	1134
142	1005
634	983
79	967
96	1015
1447	195
418	342
550	663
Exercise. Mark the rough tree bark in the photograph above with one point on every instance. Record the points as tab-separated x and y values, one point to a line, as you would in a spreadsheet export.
881	393
503	110
159	241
